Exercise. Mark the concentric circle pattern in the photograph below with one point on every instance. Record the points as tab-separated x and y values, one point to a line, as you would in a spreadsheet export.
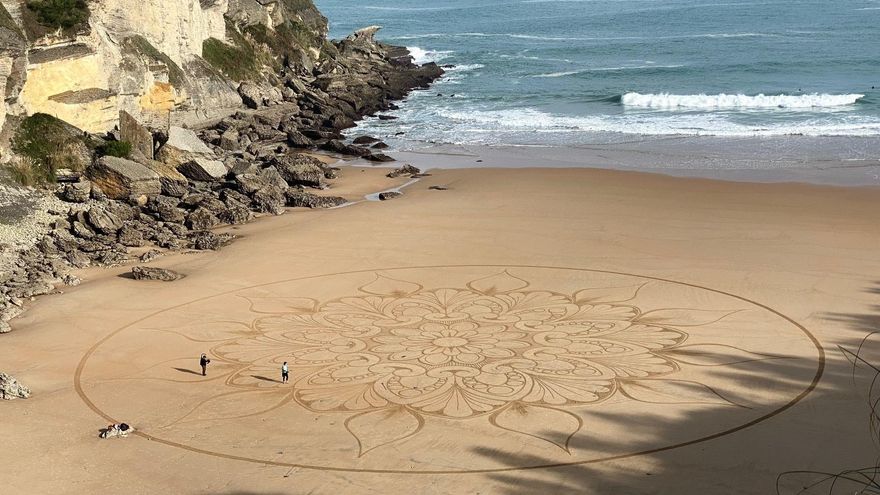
452	369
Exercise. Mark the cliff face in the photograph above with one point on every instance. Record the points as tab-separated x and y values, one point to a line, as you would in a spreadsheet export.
148	57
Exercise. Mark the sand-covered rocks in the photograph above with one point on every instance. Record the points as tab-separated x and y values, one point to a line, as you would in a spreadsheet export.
201	219
404	170
119	178
300	169
11	389
385	196
152	273
303	199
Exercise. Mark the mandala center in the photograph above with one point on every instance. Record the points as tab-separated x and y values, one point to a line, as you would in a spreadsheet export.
450	342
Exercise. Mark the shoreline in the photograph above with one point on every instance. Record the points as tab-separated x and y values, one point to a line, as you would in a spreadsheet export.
740	160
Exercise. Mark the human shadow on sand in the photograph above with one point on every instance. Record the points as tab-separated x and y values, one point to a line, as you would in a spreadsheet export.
265	379
184	370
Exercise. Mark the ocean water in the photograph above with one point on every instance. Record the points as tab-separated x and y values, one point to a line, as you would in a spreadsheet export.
576	72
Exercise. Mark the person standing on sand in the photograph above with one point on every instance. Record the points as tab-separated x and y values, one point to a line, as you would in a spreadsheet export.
203	362
284	372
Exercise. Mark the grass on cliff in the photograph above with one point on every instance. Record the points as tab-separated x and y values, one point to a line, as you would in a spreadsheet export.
236	61
60	14
119	149
46	144
22	171
139	45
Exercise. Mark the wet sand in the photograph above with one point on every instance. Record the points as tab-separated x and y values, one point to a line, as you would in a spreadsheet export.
523	331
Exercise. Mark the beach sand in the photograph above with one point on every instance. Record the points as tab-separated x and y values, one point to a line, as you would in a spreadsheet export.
523	331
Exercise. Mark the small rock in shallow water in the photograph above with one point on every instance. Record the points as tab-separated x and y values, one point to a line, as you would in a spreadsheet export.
404	170
385	196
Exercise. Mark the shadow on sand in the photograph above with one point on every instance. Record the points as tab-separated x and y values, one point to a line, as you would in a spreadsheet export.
789	453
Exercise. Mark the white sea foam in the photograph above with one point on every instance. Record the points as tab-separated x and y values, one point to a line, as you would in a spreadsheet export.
668	101
605	69
521	124
421	56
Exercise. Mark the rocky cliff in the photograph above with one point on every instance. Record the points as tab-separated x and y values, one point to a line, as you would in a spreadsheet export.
163	119
164	62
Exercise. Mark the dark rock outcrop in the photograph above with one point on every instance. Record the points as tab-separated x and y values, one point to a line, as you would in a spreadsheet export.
152	273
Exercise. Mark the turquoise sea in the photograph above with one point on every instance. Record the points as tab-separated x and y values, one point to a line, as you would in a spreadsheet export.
569	72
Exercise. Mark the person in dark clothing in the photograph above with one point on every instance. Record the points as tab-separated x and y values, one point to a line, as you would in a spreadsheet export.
203	362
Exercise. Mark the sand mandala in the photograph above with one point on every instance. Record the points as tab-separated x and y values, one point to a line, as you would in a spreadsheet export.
452	369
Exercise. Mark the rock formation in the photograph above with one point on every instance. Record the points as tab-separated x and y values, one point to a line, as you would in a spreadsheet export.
168	118
11	389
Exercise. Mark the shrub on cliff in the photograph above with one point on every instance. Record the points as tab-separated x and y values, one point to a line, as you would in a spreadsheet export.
237	61
49	144
64	14
119	149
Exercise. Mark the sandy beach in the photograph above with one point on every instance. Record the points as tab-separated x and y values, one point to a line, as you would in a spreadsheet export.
522	331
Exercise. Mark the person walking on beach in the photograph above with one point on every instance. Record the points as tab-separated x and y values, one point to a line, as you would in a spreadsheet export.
284	372
203	362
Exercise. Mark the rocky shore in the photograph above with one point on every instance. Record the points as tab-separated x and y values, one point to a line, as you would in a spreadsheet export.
177	183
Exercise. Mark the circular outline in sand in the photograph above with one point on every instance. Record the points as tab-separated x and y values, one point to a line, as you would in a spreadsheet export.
812	386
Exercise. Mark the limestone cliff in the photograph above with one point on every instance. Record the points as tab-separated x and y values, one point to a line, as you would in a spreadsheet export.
163	61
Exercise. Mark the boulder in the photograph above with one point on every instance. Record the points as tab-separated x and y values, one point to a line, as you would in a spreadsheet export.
229	140
270	199
183	145
172	182
299	169
296	139
118	178
380	146
385	196
140	137
338	146
166	210
379	157
103	221
404	170
202	169
273	177
201	219
235	214
130	236
250	183
209	241
81	230
77	192
10	388
151	273
365	140
302	199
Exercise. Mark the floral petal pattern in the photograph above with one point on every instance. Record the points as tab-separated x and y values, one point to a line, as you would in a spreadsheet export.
395	353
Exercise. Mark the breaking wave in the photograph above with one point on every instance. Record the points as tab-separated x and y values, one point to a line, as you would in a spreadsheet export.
722	101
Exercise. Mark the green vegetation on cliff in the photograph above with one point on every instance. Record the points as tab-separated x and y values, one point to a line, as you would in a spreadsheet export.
119	149
139	45
64	14
49	144
237	61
